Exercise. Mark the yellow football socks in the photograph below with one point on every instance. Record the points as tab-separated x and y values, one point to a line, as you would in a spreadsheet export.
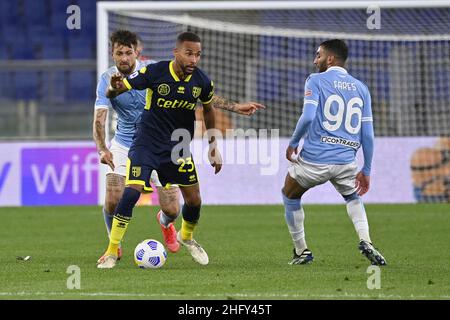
187	229
119	227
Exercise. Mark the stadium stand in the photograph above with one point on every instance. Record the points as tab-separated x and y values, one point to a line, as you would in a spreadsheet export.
37	53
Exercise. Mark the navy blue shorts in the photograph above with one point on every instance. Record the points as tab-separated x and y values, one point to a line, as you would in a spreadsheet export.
141	163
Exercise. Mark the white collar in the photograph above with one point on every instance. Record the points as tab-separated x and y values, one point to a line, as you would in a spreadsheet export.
337	69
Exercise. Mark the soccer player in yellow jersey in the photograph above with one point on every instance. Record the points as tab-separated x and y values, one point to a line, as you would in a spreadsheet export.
173	88
129	107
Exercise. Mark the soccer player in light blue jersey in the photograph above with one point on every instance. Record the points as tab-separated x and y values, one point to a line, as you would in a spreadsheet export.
336	121
128	108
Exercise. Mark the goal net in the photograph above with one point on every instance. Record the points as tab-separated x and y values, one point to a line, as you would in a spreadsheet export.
263	51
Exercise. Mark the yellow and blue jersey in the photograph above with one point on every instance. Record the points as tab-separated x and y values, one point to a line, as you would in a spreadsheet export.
169	105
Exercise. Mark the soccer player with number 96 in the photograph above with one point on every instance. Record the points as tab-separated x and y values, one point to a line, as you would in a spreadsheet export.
336	121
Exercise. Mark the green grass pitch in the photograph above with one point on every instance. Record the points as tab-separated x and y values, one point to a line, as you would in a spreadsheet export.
249	249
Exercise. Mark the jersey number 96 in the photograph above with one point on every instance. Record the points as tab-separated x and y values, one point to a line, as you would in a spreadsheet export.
334	121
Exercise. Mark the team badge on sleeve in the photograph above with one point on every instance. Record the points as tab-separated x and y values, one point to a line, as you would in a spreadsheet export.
308	93
196	91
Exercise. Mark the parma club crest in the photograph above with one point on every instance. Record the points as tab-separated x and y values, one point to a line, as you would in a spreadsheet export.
196	91
136	171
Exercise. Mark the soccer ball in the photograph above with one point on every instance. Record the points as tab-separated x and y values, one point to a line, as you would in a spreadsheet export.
150	253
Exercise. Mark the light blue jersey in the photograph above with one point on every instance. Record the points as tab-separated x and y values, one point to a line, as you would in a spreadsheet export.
128	106
337	118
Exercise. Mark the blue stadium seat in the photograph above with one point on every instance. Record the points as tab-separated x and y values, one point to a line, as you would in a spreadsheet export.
81	86
6	89
86	33
37	32
272	47
58	22
268	85
54	86
293	88
22	48
60	6
300	49
80	48
89	25
88	14
4	54
35	13
26	85
10	13
86	4
11	32
441	92
53	82
51	47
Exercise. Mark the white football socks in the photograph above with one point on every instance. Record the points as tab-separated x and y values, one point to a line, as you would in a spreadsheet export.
357	214
295	218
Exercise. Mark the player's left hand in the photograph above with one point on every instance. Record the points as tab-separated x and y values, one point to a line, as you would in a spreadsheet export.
362	183
248	108
290	152
215	158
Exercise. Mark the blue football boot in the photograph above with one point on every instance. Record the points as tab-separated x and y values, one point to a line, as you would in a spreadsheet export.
305	258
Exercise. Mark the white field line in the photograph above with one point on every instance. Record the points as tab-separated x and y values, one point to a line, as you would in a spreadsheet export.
236	295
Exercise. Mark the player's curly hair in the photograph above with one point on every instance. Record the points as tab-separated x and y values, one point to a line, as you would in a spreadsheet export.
124	38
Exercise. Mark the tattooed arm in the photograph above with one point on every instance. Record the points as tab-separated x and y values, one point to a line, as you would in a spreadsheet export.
246	108
214	155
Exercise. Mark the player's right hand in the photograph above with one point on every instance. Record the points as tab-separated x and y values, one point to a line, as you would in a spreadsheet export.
215	158
362	183
290	152
248	108
116	81
106	157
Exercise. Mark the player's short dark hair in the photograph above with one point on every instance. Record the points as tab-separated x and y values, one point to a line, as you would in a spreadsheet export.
124	38
188	36
337	47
